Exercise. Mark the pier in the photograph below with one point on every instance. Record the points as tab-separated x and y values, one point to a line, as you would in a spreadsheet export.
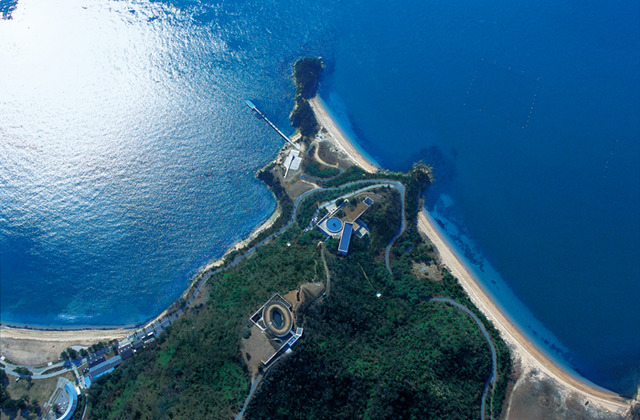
262	116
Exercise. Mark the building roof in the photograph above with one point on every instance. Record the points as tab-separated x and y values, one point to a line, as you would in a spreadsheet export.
104	367
293	161
73	401
361	207
334	225
125	351
345	239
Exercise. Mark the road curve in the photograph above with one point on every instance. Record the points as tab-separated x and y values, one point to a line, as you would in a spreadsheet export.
494	357
403	226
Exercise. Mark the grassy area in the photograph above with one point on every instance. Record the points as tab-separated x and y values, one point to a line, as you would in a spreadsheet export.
36	390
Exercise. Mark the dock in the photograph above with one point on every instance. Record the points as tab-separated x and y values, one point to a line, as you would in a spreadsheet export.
254	108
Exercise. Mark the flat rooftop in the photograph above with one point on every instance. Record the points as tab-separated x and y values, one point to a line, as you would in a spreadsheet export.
345	239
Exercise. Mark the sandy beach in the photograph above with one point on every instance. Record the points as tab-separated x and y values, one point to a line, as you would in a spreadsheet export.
338	137
530	357
34	346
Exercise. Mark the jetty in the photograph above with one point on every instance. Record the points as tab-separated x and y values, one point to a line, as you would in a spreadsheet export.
254	108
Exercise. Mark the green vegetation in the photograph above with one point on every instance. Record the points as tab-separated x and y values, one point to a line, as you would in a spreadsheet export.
306	75
303	119
196	370
82	401
394	357
360	356
23	372
397	355
317	170
27	404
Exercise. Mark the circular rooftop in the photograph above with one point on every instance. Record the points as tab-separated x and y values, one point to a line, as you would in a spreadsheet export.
334	225
278	319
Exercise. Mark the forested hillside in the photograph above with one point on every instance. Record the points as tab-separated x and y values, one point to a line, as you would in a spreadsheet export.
374	347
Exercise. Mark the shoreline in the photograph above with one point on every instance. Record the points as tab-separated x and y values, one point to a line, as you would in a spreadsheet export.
89	333
342	140
523	349
531	357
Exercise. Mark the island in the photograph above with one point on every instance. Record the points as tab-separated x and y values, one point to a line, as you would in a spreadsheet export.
348	302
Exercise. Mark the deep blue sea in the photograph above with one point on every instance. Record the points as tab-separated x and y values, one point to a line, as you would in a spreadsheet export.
127	156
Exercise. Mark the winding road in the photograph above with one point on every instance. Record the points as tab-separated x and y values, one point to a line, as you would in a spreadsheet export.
369	184
494	358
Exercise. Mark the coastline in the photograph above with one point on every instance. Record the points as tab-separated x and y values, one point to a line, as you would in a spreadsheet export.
19	338
343	141
530	357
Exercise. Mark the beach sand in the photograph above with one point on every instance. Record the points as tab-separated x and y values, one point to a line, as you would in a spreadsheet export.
531	359
337	135
34	346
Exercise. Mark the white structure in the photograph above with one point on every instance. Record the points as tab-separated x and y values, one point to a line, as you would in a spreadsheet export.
292	161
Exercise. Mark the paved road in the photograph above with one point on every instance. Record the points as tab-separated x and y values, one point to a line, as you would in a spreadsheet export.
37	372
403	226
370	185
253	388
494	359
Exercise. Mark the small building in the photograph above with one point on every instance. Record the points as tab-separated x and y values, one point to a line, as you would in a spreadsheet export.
137	343
292	162
276	322
65	396
105	367
274	318
73	401
346	226
125	351
345	239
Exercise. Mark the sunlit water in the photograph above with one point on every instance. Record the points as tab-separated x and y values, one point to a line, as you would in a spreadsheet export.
127	155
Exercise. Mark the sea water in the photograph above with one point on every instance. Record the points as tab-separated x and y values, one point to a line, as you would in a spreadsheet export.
127	154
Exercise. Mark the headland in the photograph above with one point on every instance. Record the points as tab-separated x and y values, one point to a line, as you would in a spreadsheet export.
28	346
532	360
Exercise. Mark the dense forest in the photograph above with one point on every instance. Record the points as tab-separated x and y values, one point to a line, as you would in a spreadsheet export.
306	76
397	356
196	369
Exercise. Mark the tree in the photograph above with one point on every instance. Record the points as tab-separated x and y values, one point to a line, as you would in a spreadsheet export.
303	119
23	372
35	406
306	73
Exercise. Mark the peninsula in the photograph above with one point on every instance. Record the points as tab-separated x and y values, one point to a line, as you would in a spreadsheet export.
347	302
